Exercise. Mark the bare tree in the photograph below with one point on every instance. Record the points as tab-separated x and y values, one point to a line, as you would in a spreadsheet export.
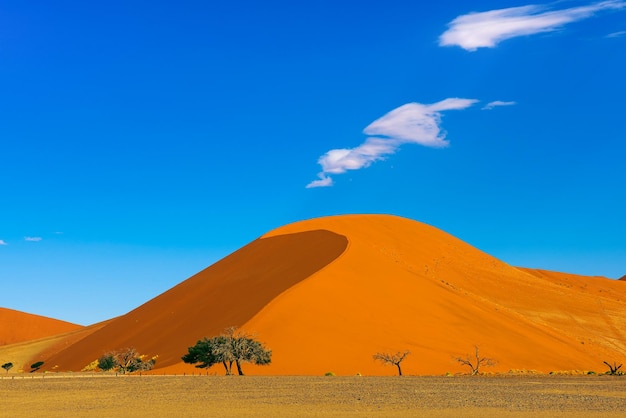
127	359
475	362
613	369
394	359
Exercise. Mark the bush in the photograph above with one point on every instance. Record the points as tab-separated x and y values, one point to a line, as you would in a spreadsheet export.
36	366
91	366
107	362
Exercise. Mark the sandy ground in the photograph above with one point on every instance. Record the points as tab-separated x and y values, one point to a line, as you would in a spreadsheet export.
107	395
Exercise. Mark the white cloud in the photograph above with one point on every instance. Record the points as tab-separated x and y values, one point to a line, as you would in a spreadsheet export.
411	123
487	29
2	242
324	181
32	239
497	103
616	34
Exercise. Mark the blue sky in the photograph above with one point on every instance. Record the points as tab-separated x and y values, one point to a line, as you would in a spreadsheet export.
142	141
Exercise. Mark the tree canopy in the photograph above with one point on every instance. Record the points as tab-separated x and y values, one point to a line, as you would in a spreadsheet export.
230	347
7	366
395	359
126	360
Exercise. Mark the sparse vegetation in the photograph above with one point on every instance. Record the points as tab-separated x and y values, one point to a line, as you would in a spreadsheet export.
125	361
475	361
393	359
329	374
614	369
7	366
91	366
231	347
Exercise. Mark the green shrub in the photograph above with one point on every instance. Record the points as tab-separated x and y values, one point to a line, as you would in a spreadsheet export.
107	362
36	366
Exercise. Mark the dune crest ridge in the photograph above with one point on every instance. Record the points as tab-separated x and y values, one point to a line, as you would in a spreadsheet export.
326	294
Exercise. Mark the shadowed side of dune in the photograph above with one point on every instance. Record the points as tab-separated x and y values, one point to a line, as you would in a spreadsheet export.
228	293
21	326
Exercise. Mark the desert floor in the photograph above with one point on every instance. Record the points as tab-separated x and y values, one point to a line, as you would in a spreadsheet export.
494	396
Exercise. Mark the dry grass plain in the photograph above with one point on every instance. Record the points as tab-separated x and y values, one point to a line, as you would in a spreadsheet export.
137	396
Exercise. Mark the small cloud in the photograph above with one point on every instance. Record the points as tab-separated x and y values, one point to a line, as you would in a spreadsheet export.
487	29
616	34
411	123
3	242
497	103
33	239
324	181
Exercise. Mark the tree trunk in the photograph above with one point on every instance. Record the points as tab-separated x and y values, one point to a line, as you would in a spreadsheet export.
399	369
226	367
239	368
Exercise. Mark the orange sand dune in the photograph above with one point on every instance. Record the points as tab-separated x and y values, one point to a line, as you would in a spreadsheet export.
326	294
227	293
20	326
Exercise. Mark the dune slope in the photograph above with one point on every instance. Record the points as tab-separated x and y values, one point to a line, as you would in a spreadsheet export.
326	294
21	326
404	285
228	293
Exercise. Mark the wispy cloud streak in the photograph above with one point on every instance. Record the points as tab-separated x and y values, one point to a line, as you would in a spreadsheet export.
617	34
411	123
33	239
487	29
3	242
497	103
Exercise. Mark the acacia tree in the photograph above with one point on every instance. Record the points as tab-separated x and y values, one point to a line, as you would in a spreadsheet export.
230	347
210	351
125	361
7	366
244	348
394	359
475	362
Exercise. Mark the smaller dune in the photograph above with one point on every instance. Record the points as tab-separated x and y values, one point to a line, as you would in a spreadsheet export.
21	326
